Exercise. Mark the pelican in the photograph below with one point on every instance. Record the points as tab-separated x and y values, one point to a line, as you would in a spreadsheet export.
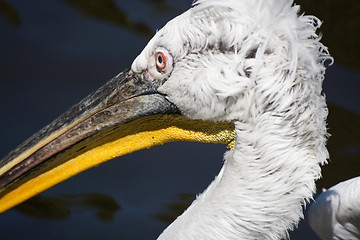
335	214
246	73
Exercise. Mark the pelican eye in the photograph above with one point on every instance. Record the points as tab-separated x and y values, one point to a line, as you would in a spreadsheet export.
160	63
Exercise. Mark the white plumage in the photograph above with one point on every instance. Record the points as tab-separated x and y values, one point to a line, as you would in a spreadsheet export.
335	214
260	65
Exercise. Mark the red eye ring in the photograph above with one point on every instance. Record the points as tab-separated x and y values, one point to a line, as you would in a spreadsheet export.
160	62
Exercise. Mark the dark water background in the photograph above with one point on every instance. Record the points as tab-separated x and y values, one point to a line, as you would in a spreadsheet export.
55	52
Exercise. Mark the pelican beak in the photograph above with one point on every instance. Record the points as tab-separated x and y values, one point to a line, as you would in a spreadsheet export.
125	115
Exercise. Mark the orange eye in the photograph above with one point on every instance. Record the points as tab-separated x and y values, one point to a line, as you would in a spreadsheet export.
160	62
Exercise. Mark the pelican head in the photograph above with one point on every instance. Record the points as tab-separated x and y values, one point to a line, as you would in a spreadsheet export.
245	73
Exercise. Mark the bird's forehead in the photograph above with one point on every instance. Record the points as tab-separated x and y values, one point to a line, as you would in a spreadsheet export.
170	37
195	30
212	27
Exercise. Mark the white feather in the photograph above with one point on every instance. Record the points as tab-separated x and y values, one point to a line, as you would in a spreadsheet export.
259	64
335	214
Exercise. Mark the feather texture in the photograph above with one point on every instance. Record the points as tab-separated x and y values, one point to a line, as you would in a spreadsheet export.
260	65
335	214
